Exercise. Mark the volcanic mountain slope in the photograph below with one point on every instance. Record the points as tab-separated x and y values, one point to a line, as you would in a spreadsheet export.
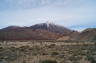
43	31
26	34
71	36
52	28
66	33
87	34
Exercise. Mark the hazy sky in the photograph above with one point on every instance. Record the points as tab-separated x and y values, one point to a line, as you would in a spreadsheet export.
75	14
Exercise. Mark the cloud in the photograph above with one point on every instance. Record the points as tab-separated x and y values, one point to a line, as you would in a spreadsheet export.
23	4
64	12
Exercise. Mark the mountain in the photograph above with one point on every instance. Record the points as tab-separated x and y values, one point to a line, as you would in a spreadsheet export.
66	33
87	34
42	31
52	28
12	27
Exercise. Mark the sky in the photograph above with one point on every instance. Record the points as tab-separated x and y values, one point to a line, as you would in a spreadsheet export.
74	14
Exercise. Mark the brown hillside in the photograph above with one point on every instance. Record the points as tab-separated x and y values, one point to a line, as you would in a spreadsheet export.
87	34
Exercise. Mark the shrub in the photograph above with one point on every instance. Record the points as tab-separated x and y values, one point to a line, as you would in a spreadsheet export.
91	59
1	48
54	53
51	45
48	61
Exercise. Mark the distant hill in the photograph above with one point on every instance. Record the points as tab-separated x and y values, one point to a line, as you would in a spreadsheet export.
87	34
43	31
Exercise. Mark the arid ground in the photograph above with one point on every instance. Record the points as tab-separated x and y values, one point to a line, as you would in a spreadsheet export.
47	52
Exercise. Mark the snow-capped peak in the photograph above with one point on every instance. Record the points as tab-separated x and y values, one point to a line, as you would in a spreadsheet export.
49	22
